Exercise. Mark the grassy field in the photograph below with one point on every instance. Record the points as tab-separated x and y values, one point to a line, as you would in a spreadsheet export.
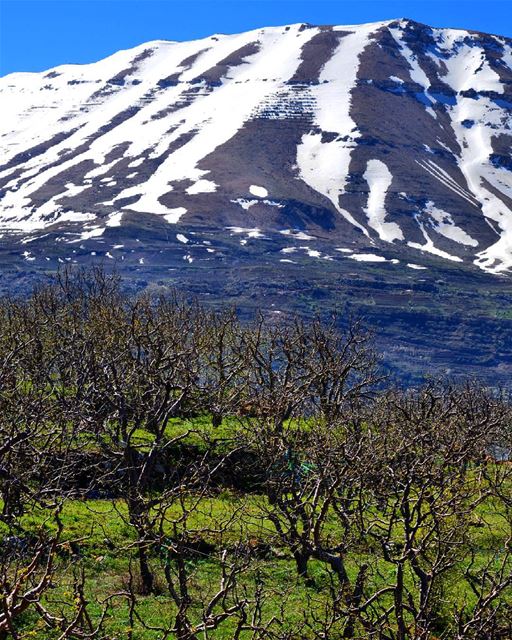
99	541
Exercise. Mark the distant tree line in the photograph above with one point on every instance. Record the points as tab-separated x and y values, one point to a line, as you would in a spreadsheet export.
391	509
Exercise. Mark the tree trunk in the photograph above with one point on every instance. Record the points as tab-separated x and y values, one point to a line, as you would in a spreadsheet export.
354	601
146	576
136	511
338	567
399	607
138	516
301	560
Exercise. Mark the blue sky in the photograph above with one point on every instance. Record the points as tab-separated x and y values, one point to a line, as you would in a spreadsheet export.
38	34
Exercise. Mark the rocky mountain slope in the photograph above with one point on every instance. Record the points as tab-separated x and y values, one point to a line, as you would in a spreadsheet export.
294	168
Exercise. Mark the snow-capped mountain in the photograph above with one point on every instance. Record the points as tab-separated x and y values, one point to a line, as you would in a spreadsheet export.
387	133
302	167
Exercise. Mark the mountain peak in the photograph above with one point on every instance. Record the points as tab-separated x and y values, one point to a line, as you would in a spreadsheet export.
399	138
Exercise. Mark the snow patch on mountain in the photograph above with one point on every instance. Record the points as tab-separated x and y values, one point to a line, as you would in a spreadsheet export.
115	219
468	69
260	192
244	203
416	72
444	224
251	233
173	215
324	166
379	179
296	235
367	257
444	178
202	186
429	246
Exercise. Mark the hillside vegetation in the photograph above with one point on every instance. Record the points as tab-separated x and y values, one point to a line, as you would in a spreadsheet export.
167	471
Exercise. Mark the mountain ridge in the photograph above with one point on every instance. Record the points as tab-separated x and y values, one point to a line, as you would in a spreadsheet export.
304	154
398	20
309	65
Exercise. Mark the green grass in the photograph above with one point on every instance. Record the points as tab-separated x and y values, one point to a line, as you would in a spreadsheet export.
98	538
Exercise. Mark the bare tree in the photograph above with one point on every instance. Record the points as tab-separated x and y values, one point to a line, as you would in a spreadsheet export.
425	446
